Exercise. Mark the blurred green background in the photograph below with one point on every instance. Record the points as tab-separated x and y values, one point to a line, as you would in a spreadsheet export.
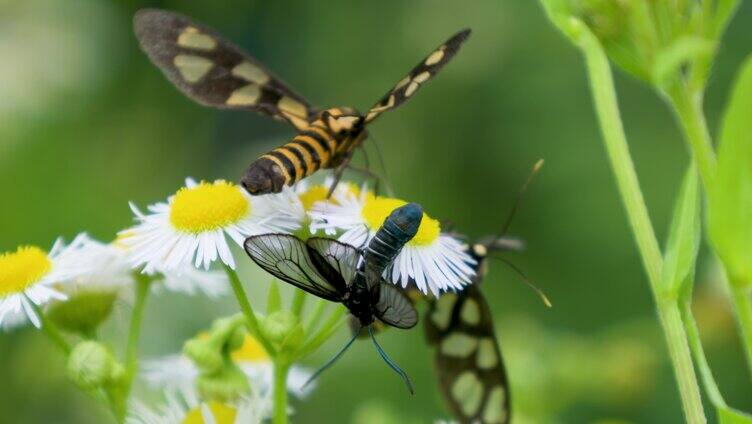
88	124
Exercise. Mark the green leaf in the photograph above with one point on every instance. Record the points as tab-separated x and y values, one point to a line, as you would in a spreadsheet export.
684	237
273	300
730	207
725	10
683	50
728	415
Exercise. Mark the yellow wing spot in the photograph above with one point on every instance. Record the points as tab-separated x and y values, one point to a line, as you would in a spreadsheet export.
402	83
470	312
487	357
422	77
192	38
435	57
467	390
494	411
245	96
388	105
459	345
293	107
250	72
192	68
411	89
443	311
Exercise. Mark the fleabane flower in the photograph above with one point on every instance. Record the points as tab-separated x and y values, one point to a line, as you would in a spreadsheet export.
179	408
27	277
191	227
310	194
433	260
178	373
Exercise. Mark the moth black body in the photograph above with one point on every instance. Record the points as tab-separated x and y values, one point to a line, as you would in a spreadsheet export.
342	273
214	72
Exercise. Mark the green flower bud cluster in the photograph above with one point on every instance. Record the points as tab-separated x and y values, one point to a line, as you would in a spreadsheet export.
91	365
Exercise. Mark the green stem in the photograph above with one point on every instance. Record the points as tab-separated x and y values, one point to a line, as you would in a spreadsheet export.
298	301
695	344
607	109
50	329
326	331
740	295
281	369
687	105
245	307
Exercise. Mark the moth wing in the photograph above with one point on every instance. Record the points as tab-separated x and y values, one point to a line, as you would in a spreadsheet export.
287	258
394	307
421	73
460	327
344	258
213	71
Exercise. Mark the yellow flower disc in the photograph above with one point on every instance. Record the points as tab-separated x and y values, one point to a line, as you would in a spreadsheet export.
312	195
208	206
22	268
251	351
376	209
222	414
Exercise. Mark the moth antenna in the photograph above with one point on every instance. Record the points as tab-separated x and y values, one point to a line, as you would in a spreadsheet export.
331	361
382	165
391	363
525	279
536	168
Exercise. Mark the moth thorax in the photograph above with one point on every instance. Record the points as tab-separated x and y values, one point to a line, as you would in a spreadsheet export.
342	120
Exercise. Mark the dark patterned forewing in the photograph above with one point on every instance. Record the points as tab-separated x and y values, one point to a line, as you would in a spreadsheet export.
344	258
423	72
212	71
287	258
394	307
470	368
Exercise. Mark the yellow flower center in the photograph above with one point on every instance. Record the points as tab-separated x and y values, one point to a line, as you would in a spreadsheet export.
250	351
222	414
376	209
312	195
207	207
22	268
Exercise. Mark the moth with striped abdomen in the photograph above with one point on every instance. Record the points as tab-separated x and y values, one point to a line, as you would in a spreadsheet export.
214	72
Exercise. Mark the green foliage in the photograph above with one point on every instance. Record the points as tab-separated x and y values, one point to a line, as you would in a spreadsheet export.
730	207
731	416
683	239
273	299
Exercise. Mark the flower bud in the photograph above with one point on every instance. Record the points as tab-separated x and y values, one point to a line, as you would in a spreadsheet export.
92	365
83	312
283	329
228	384
203	353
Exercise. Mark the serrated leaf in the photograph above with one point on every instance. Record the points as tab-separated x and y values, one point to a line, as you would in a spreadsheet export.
728	415
273	299
684	237
681	51
730	207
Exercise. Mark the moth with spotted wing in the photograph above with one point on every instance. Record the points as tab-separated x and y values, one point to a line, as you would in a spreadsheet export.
214	72
342	273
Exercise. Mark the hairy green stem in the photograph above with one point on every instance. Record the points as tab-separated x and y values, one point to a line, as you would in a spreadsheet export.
50	329
740	296
607	109
695	344
687	105
281	369
245	307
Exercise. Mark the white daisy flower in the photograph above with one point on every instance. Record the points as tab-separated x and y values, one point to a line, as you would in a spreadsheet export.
433	260
309	194
179	373
27	278
191	227
188	409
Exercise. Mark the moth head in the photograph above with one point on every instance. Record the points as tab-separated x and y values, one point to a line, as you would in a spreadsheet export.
341	122
263	177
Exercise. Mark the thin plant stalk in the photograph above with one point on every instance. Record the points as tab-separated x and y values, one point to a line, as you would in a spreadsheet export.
247	309
298	302
118	398
742	302
695	344
51	330
281	370
607	109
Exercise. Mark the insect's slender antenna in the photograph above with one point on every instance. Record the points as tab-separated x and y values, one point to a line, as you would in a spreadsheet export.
391	363
525	279
538	165
332	361
382	165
